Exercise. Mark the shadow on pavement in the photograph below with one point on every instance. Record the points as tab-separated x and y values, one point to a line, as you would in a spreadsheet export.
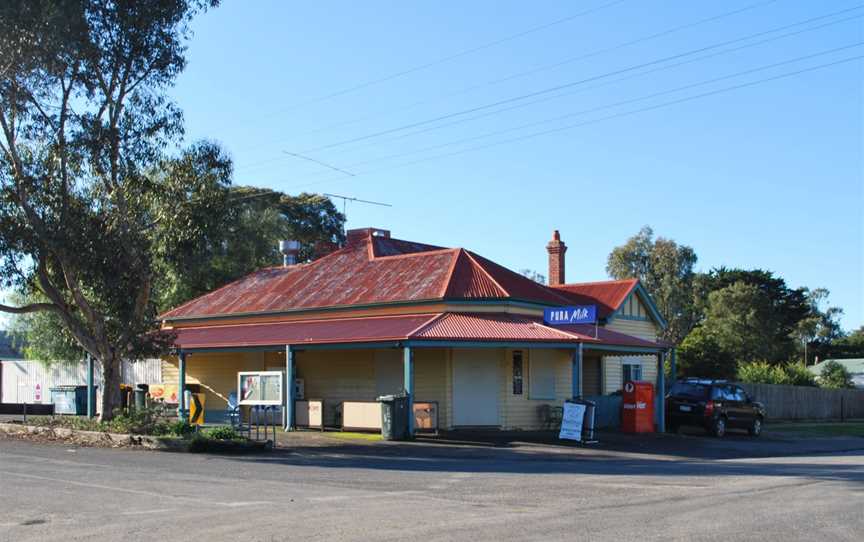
651	457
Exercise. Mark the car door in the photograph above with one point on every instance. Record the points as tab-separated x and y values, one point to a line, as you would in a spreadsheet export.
730	406
743	407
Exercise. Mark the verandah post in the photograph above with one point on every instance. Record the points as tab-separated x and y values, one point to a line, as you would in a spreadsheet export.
408	368
661	392
577	372
181	387
290	391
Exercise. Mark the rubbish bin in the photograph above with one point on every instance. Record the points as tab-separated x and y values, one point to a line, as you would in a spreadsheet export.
140	399
394	417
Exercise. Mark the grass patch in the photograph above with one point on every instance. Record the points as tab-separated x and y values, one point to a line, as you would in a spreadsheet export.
847	429
348	435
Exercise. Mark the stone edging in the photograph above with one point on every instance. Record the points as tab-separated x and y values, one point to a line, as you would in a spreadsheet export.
93	437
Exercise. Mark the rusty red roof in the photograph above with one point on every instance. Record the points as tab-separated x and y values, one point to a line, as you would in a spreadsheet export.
337	330
608	295
466	327
370	270
490	327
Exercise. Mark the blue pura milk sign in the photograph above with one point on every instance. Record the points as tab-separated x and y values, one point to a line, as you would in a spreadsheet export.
579	314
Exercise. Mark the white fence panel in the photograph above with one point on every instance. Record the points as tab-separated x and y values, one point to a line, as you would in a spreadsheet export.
20	378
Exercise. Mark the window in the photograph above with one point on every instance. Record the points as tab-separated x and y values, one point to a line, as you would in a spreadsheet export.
517	372
542	376
631	371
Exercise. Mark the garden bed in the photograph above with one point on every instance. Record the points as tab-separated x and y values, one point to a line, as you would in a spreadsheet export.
217	440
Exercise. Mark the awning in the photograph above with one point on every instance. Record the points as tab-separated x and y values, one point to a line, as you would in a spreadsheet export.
416	328
341	330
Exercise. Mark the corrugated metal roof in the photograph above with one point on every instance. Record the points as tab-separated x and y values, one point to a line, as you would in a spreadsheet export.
372	270
468	327
602	335
337	330
490	327
608	295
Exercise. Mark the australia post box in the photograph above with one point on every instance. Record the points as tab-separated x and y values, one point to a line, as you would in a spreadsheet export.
637	408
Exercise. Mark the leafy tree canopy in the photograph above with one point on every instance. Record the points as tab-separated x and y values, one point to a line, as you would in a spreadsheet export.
665	269
85	116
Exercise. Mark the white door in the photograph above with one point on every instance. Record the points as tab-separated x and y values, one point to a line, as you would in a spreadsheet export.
475	387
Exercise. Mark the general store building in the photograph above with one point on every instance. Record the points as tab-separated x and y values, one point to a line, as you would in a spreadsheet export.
446	325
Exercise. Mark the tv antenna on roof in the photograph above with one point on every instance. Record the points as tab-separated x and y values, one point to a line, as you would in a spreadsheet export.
346	199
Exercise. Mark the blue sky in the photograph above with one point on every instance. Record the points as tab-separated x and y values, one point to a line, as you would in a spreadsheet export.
768	176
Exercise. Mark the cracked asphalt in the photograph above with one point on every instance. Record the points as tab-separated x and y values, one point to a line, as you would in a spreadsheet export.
434	492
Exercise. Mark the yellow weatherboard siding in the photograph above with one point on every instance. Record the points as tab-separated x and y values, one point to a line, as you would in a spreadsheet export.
521	411
332	375
643	329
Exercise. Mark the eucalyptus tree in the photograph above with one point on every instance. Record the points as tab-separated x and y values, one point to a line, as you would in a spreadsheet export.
85	118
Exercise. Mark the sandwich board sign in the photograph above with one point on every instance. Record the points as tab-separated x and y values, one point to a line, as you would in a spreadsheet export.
571	422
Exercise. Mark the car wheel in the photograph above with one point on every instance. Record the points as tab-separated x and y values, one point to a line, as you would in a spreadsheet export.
756	429
719	427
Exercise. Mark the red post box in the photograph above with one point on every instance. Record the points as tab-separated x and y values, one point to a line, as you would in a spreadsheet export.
637	408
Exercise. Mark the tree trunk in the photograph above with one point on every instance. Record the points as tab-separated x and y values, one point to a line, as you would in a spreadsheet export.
109	395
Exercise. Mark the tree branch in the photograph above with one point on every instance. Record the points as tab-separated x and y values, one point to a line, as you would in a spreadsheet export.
26	309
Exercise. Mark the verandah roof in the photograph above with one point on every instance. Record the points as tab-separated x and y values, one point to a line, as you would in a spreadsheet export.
419	328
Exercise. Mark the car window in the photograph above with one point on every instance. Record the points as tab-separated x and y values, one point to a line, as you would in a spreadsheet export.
740	395
690	390
718	393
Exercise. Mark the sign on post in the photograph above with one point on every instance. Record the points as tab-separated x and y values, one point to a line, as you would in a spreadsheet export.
37	396
578	314
571	422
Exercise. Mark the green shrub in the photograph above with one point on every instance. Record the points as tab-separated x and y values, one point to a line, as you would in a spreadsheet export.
799	375
835	376
762	372
223	433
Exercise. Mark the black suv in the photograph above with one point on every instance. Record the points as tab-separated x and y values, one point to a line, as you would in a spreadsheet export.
714	405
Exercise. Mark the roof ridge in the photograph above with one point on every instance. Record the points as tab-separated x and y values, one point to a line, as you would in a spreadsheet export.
486	272
593	282
426	324
417	254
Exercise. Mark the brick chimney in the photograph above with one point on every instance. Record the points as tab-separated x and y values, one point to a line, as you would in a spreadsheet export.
556	249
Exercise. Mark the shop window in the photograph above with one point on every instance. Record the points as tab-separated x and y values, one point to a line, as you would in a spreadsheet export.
542	377
632	371
517	372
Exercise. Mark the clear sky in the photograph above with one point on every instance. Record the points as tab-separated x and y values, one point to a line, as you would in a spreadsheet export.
768	175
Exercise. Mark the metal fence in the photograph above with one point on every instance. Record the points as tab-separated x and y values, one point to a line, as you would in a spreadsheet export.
21	378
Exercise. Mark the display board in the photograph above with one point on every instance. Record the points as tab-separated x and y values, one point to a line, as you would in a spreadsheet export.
260	387
571	422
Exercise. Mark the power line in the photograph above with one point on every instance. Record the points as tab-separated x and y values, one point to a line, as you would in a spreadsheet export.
609	117
319	162
453	56
534	94
532	71
640	74
346	199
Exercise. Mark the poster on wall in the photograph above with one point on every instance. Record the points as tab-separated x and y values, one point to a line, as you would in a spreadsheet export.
260	387
571	422
164	392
